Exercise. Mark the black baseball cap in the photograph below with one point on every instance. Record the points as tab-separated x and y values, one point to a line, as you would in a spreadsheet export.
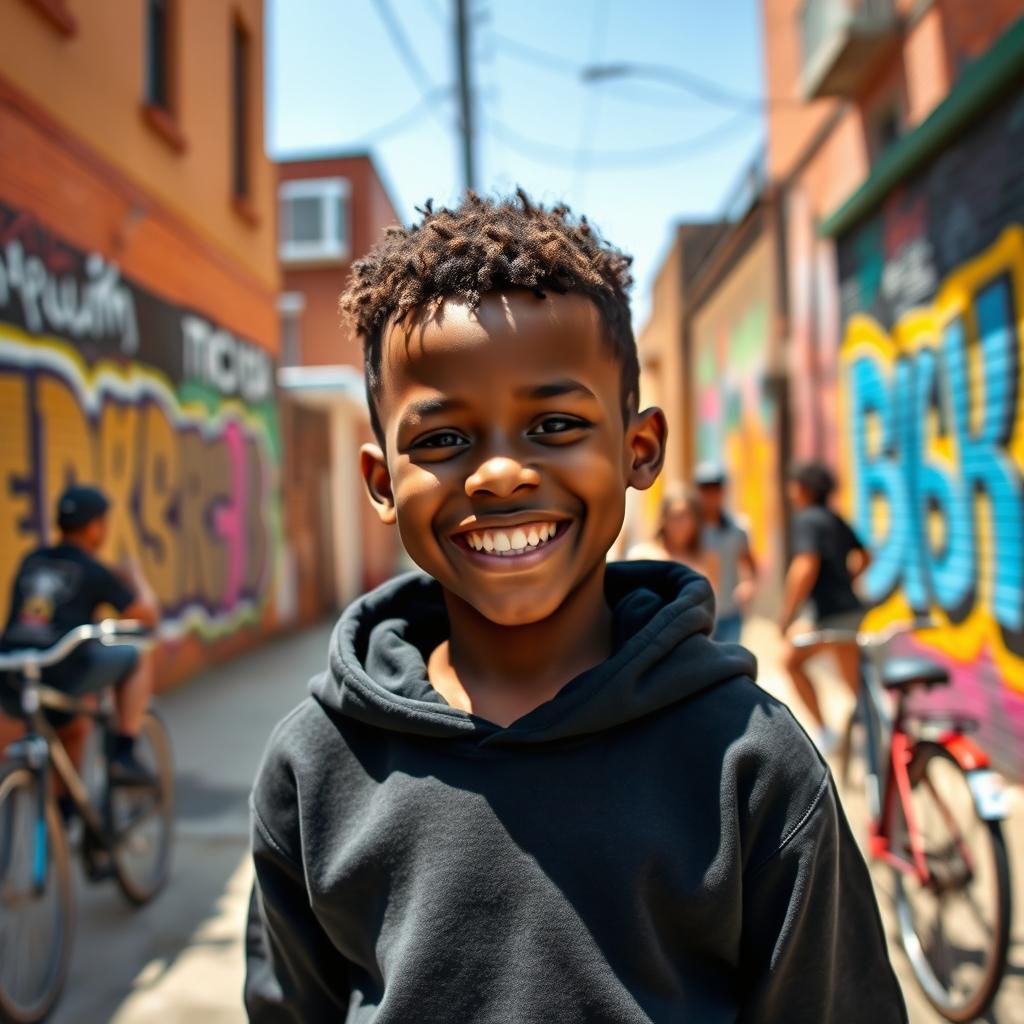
79	506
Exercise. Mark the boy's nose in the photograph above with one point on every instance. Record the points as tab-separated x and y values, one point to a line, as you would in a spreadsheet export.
501	476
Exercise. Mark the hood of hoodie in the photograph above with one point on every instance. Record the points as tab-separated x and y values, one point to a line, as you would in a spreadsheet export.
663	614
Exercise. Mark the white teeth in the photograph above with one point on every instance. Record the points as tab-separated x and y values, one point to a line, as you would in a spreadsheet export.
520	539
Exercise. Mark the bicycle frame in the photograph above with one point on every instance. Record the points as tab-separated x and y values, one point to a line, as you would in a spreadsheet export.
41	746
893	780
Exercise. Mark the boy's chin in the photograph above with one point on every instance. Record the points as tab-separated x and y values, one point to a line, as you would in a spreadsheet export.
515	609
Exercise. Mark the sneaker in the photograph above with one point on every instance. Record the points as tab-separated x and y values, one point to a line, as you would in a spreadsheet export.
826	740
97	862
126	770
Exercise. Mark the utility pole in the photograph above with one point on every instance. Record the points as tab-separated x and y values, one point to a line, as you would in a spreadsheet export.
465	94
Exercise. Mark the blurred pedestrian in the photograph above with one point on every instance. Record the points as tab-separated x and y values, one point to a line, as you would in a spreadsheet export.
827	559
680	535
727	543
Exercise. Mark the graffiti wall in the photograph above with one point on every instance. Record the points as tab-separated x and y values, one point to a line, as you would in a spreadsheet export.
737	415
174	416
933	297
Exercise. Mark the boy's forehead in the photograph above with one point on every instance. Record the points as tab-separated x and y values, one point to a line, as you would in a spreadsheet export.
514	329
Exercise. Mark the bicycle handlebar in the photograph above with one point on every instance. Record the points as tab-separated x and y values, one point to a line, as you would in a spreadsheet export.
866	641
109	631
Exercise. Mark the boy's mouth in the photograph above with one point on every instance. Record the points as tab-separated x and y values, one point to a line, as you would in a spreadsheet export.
511	542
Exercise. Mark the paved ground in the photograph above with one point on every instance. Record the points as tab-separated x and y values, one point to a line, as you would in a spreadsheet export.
180	959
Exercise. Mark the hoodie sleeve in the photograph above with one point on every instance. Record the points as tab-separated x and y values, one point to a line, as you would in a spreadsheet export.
294	974
813	948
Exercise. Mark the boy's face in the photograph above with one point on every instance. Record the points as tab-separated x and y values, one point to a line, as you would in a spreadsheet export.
507	456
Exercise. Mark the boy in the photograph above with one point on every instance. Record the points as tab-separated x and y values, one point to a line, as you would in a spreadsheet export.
60	587
737	570
828	558
529	787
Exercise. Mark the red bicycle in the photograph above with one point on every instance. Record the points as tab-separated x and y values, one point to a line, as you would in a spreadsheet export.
935	807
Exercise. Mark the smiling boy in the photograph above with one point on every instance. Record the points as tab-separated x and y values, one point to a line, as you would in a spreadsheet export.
529	787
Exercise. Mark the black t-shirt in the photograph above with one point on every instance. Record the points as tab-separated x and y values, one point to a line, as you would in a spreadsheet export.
819	531
57	589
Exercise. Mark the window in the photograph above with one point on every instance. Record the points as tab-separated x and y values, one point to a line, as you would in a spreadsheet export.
290	305
240	183
314	220
158	65
159	99
884	127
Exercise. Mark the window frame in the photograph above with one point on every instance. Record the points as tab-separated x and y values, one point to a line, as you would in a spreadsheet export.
162	114
330	191
240	65
290	309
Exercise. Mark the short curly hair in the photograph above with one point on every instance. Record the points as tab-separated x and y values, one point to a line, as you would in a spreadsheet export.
481	246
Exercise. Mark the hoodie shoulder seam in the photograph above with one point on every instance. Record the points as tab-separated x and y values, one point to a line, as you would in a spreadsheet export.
264	830
796	829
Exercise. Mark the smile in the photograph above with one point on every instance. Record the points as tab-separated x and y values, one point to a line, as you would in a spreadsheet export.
512	542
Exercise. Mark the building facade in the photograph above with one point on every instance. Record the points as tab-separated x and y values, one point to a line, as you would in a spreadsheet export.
877	324
333	208
138	283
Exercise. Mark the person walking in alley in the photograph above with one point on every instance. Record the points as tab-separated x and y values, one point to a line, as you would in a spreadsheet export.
59	587
827	559
728	545
528	786
679	537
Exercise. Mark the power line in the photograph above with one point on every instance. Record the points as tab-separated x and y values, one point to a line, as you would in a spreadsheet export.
705	89
592	103
405	119
561	156
407	54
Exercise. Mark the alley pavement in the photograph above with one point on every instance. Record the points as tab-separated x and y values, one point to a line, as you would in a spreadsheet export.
179	960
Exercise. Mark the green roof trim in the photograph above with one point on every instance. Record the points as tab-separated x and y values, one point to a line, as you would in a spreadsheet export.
980	85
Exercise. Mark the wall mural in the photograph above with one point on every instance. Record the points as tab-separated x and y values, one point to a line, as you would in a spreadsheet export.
736	409
175	417
933	383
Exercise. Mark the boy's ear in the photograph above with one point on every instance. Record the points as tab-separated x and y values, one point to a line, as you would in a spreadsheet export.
646	438
377	479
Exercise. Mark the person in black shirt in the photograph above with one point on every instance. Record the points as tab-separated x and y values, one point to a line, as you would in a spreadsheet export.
60	587
827	558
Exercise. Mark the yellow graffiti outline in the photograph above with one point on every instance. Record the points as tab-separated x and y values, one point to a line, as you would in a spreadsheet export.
965	641
107	377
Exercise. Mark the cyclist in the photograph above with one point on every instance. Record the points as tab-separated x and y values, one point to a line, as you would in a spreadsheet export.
827	559
61	587
729	545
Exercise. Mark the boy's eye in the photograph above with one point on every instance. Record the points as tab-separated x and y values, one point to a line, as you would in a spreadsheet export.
558	425
442	439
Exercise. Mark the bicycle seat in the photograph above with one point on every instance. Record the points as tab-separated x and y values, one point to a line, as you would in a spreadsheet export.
905	673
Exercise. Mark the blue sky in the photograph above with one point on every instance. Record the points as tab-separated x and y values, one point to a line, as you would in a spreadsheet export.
619	151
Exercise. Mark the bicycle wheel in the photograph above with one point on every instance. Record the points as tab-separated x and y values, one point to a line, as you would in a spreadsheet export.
955	929
36	908
142	819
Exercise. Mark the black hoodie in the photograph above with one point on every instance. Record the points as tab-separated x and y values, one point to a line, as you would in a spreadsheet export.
659	842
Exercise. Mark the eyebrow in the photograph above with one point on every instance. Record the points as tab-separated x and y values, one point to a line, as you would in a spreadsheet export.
556	389
431	407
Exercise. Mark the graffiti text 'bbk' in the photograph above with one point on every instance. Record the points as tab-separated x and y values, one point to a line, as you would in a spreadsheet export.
936	426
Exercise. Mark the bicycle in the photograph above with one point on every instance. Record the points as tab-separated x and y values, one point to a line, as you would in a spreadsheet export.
127	831
935	807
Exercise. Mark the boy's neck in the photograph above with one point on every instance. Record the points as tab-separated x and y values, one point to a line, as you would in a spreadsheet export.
503	672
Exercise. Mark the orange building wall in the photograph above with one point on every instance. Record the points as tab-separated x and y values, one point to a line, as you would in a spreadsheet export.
80	168
91	82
